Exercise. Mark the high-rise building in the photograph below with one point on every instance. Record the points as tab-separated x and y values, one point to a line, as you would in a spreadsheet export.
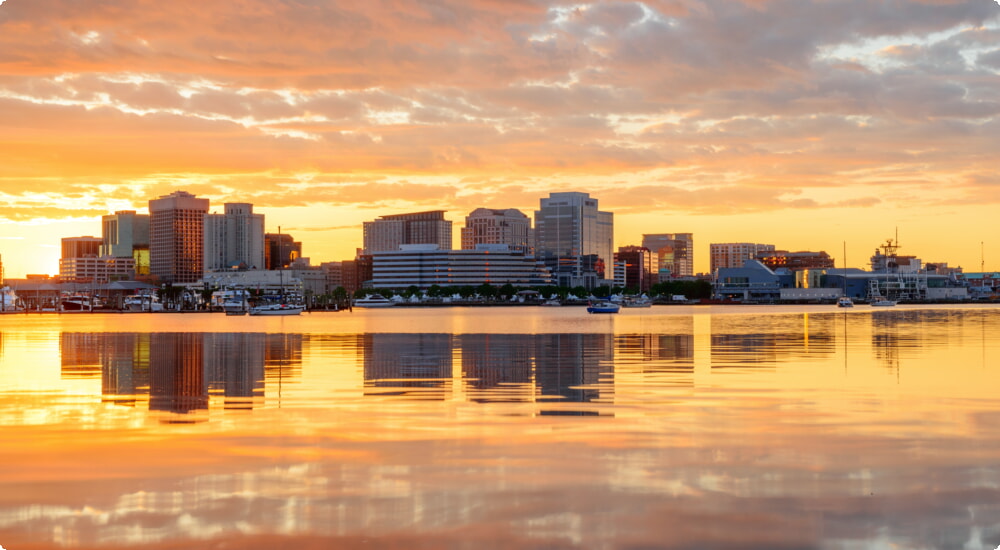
674	253
125	234
638	266
574	239
234	239
734	254
489	226
177	237
387	233
280	250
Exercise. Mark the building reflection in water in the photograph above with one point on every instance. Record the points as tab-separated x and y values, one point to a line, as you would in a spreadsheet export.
181	372
554	368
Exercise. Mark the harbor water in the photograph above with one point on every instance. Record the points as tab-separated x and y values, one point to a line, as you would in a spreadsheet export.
525	427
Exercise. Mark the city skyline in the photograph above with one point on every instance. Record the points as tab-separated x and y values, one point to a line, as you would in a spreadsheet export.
803	123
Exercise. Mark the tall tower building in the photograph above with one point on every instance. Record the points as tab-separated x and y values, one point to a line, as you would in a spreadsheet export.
388	232
234	239
489	226
734	254
674	252
177	237
574	238
125	234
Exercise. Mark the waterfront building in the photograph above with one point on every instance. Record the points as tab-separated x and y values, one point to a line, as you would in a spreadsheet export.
177	237
125	234
491	226
574	239
426	265
795	261
388	233
280	250
234	239
734	254
674	254
92	269
638	265
81	262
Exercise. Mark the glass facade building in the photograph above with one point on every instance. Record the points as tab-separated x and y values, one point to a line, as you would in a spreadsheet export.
575	239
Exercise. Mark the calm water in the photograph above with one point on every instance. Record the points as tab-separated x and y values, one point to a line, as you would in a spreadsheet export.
670	427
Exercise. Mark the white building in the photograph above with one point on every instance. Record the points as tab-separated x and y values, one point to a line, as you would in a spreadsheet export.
234	239
426	265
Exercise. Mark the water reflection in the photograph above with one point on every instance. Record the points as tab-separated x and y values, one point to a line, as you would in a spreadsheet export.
179	372
749	431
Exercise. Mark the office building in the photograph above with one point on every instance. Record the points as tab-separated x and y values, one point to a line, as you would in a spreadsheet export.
234	239
734	254
426	265
280	250
125	234
177	237
388	233
795	261
574	239
489	226
674	254
81	247
638	265
81	262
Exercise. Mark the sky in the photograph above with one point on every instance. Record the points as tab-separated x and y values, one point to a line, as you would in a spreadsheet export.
807	124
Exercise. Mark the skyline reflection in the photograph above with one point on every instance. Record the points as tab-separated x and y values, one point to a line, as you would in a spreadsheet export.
731	430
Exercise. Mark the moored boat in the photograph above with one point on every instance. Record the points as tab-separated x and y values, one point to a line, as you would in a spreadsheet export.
603	307
276	309
374	300
845	301
638	301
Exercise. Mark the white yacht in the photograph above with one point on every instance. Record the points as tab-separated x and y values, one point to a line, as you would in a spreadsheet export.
276	309
374	300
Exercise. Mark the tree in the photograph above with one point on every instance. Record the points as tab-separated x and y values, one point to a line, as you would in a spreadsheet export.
507	290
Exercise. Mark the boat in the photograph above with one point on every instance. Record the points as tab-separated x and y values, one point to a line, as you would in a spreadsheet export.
142	302
235	306
374	300
273	308
9	301
845	301
882	302
554	302
603	306
233	302
638	301
79	302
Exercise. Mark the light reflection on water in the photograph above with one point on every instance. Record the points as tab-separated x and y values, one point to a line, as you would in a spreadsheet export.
666	428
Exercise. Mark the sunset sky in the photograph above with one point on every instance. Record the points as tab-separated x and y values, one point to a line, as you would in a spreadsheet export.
800	123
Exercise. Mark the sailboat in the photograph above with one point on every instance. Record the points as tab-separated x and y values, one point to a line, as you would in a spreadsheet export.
281	307
845	300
